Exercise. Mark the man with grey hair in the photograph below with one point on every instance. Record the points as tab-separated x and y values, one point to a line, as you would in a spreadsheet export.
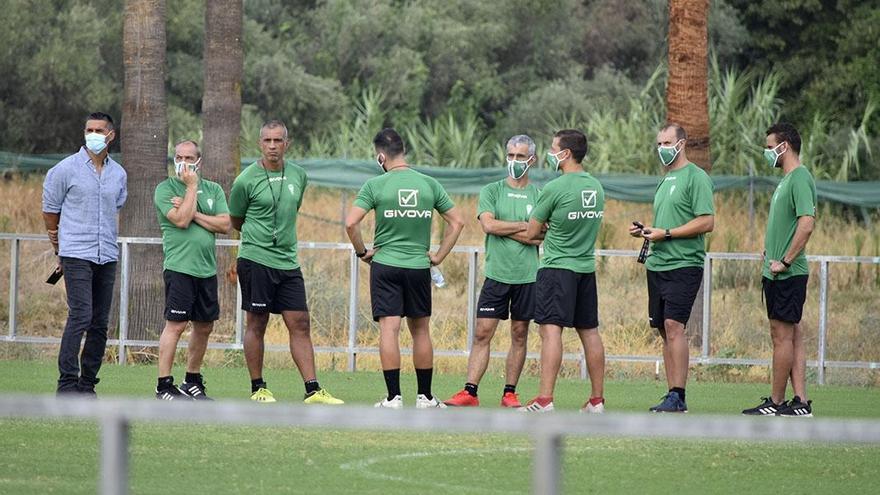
191	212
511	267
263	204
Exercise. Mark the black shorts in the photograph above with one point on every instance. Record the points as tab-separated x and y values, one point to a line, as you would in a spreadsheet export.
498	300
189	298
785	298
671	294
399	291
566	298
270	290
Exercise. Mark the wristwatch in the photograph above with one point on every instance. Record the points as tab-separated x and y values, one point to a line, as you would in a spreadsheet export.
361	255
787	264
668	235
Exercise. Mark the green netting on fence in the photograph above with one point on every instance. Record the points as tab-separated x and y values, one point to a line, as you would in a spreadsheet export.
351	174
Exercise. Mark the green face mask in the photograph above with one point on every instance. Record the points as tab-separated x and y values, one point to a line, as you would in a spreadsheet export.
553	160
771	156
668	153
516	169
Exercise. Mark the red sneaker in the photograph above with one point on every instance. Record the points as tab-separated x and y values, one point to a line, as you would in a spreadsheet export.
463	399
510	399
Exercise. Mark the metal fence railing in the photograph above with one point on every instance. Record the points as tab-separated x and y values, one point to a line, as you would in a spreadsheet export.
546	431
472	253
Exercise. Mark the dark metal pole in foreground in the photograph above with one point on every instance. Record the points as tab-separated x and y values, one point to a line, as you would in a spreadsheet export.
114	455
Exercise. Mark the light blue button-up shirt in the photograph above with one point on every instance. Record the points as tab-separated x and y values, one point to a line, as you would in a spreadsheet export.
89	203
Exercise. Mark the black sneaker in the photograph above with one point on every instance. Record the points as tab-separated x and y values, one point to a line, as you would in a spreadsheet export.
765	408
672	403
194	390
796	409
87	388
171	393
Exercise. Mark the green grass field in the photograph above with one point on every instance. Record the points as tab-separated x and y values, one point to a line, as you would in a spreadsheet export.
39	456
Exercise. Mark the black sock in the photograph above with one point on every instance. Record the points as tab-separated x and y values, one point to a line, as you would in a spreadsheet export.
257	384
679	391
165	382
510	388
312	386
392	382
423	377
193	377
470	388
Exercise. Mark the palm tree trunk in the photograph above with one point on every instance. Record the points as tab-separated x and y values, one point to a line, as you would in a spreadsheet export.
221	113
221	102
687	99
145	157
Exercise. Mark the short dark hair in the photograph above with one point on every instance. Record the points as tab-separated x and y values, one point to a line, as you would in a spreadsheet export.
388	141
680	133
101	116
786	132
574	140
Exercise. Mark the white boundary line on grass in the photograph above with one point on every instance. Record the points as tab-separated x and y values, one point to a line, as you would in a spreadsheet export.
363	466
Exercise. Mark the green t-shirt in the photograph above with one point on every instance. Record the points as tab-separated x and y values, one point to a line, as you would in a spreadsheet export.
268	202
507	260
404	201
795	197
574	205
189	250
682	196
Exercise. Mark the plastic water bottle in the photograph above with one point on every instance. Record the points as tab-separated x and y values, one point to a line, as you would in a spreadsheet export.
437	277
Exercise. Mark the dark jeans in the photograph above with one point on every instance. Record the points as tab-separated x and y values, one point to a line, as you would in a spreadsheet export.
89	295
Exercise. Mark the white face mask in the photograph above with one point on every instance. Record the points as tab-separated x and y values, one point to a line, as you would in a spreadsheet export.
380	160
178	166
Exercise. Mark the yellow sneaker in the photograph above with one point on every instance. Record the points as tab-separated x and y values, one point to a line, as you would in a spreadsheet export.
321	396
263	395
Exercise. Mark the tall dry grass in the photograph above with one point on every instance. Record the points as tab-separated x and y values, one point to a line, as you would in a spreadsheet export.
739	327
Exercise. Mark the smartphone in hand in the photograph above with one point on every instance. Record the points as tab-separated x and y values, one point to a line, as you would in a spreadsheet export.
55	276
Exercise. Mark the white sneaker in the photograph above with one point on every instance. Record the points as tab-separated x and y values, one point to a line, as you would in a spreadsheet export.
533	406
395	403
591	409
422	402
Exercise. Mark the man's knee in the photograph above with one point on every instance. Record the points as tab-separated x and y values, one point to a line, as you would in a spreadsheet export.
781	332
484	332
203	328
519	332
175	328
299	323
673	330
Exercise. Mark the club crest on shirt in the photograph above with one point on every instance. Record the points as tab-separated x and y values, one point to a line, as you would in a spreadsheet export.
210	203
528	209
290	188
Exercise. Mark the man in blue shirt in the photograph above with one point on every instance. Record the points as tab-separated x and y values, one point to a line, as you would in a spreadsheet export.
82	196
